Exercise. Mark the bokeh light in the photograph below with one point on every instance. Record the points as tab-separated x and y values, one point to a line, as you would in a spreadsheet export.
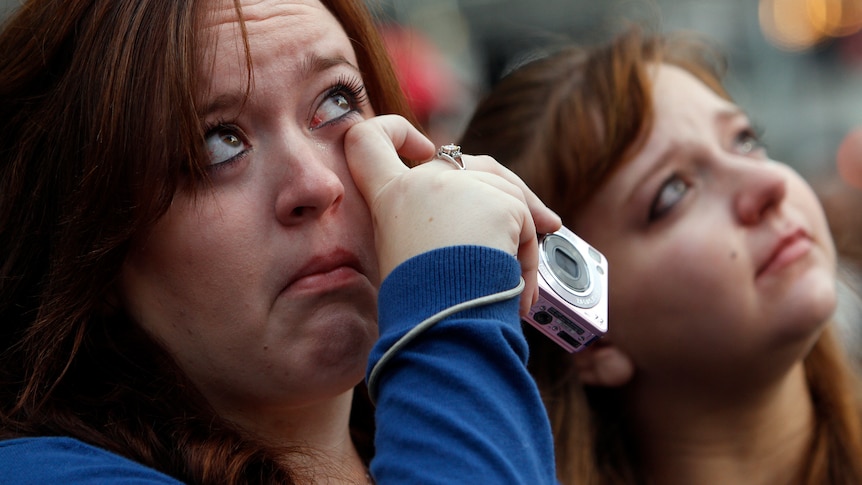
797	25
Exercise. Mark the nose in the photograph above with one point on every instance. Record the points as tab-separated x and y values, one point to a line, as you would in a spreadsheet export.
311	186
761	186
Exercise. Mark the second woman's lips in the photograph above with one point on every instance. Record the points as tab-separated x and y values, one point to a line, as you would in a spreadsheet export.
788	249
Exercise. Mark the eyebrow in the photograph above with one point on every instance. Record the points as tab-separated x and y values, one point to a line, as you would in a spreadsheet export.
312	64
222	103
730	112
722	116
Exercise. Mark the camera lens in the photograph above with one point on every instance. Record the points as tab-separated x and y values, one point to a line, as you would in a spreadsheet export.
567	264
570	268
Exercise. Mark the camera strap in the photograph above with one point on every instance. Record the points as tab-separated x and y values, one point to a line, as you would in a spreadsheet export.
429	322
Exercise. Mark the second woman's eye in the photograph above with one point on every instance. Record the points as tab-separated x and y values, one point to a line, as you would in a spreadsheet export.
225	144
747	142
670	193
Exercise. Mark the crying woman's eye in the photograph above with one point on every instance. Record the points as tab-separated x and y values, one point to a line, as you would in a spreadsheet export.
345	97
670	193
332	108
225	144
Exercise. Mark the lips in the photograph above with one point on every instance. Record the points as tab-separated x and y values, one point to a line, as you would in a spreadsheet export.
326	271
788	249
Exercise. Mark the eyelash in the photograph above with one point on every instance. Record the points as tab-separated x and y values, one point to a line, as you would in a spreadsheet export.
221	124
354	89
218	125
754	134
656	212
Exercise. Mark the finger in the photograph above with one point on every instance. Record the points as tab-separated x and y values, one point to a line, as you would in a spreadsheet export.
528	256
849	158
372	149
545	219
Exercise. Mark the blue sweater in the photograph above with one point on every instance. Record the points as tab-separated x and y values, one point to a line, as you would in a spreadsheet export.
50	460
454	406
457	405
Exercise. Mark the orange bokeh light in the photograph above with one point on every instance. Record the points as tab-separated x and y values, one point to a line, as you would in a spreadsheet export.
797	25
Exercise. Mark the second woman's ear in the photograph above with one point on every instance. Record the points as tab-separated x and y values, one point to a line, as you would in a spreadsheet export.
849	158
604	364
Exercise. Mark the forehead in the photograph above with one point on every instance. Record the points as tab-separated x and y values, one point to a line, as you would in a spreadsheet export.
280	33
220	13
686	111
682	102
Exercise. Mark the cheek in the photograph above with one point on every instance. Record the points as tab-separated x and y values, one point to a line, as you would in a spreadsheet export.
656	289
362	228
170	279
155	281
805	201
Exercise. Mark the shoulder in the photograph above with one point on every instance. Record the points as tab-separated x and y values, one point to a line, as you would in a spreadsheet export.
67	460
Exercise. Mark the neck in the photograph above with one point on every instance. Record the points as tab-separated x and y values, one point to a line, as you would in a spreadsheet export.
317	436
754	439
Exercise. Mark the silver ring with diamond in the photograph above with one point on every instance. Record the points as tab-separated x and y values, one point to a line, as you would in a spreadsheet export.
451	153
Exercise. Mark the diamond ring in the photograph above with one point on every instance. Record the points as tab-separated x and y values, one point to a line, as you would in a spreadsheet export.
451	153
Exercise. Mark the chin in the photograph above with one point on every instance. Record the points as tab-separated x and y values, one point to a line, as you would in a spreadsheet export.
345	341
809	308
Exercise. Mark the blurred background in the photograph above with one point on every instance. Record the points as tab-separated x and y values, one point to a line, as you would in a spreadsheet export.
795	65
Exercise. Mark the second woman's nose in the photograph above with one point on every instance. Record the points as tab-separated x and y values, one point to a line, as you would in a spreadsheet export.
759	188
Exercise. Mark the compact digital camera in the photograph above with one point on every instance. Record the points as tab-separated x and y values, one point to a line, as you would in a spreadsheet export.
573	291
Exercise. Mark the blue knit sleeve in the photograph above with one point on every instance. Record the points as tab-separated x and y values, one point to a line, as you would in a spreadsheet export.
457	404
43	460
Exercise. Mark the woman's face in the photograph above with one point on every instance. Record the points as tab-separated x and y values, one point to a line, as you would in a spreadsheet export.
718	256
264	286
